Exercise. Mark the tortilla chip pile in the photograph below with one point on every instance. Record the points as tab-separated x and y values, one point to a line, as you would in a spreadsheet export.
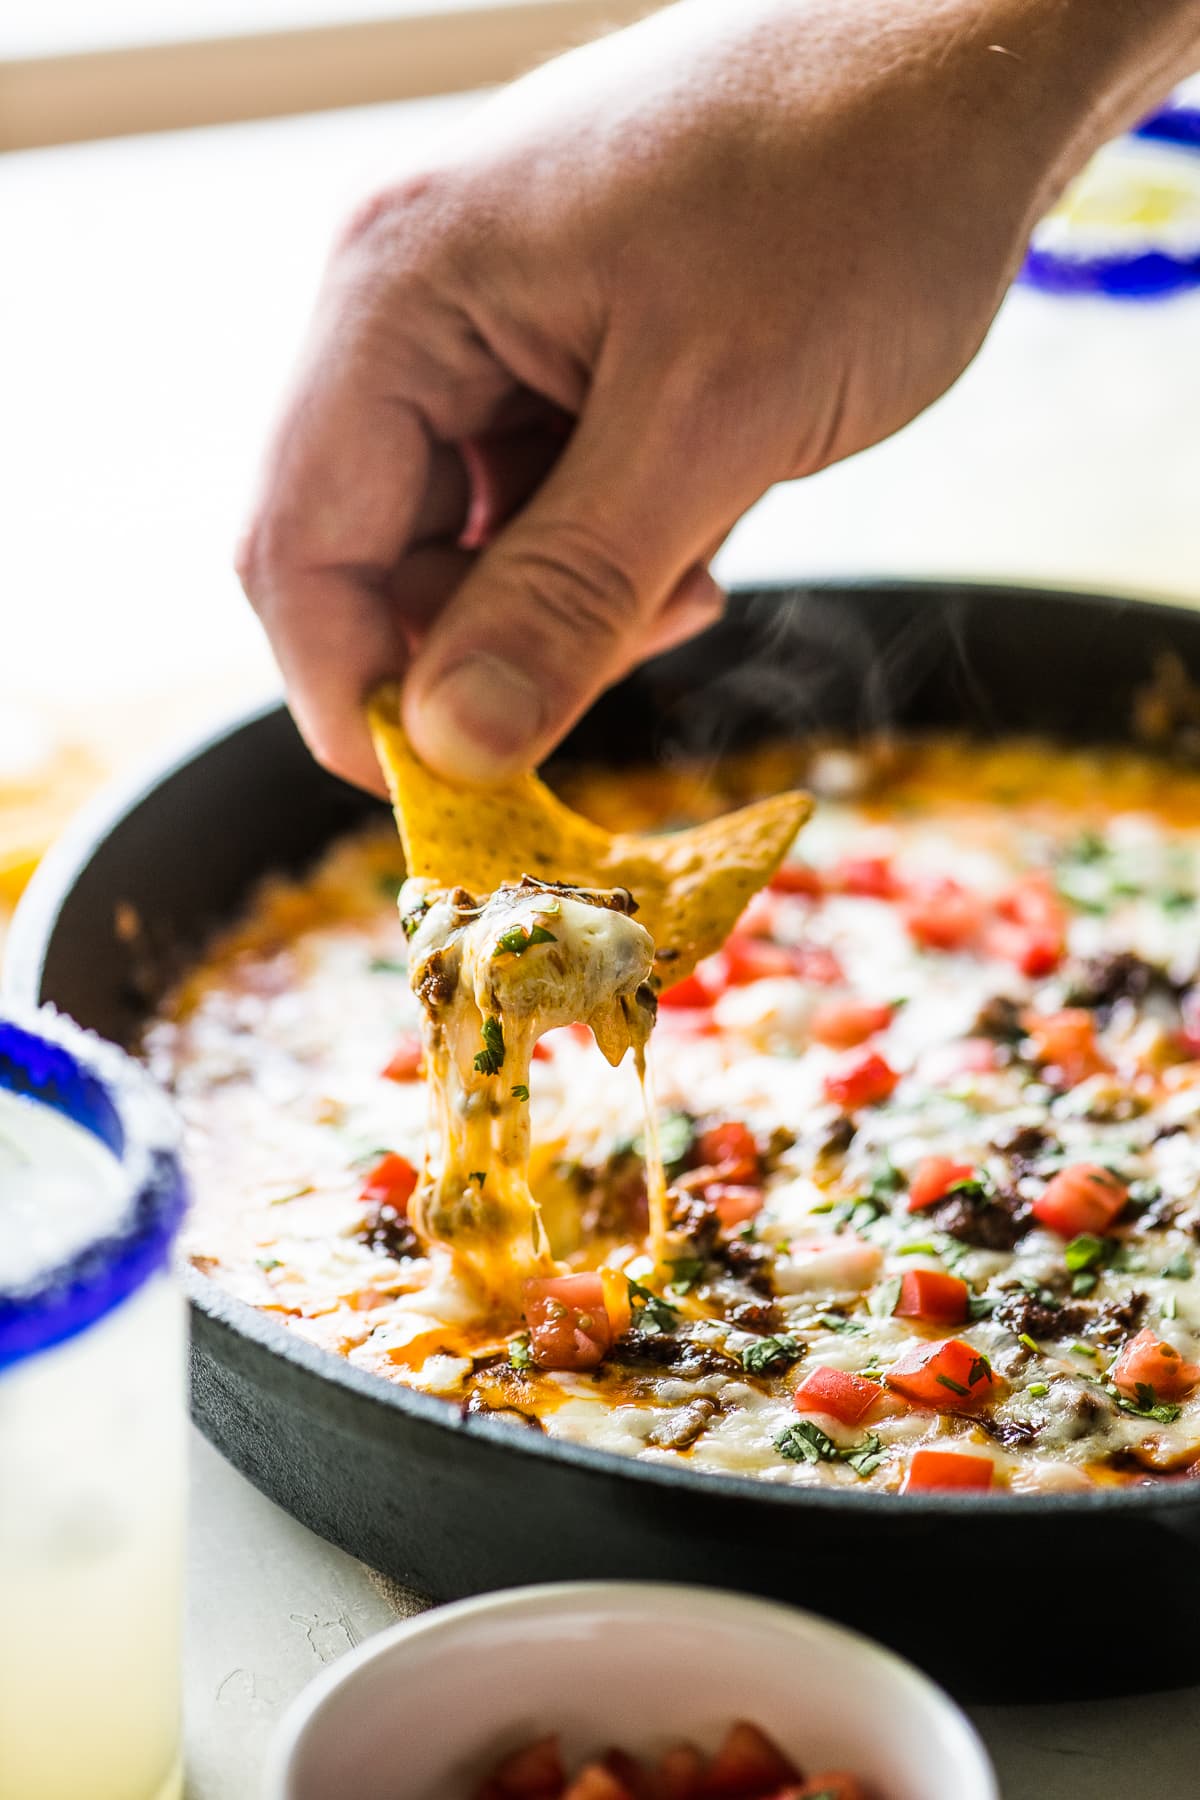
690	886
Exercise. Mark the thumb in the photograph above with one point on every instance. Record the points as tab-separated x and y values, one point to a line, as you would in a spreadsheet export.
569	596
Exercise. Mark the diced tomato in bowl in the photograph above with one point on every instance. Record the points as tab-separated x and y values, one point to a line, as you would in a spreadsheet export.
797	878
1029	927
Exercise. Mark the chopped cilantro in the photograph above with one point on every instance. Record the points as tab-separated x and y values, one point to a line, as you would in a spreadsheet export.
924	1248
981	1306
1088	847
1145	1406
956	1387
651	1312
267	1263
1039	1389
1085	1282
516	940
520	1092
676	1135
839	1322
883	1300
490	1059
1180	1268
519	1353
862	1459
1177	900
1029	1343
685	1271
806	1442
1086	1252
980	1370
1079	1349
387	965
768	1354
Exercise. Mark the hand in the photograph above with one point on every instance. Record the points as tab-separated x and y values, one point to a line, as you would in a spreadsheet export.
721	249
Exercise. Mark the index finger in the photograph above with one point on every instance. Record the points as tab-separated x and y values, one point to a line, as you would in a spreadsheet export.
343	487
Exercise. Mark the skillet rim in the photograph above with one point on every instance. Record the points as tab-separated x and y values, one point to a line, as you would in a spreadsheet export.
32	930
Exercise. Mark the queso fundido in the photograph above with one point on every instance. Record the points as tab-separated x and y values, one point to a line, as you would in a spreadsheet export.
929	1121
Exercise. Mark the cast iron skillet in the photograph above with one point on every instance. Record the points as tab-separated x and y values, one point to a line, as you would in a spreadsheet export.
999	1596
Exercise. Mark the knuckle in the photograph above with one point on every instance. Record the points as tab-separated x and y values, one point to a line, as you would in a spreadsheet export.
408	217
250	561
578	586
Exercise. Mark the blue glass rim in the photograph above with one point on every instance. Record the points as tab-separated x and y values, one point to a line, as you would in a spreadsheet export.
49	1059
1147	273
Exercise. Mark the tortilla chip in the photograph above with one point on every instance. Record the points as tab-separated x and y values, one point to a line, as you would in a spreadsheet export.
690	886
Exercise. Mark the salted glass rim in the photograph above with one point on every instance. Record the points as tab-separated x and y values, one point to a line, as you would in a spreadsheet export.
47	1058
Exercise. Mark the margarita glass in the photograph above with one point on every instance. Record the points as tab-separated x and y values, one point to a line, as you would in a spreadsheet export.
92	1422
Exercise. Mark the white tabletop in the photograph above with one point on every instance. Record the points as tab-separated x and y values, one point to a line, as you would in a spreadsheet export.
155	291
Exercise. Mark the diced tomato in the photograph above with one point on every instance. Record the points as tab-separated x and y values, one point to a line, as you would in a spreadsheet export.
729	1141
932	1295
860	1080
1148	1362
735	1202
946	1469
1189	1017
407	1061
835	1784
1083	1197
950	1376
845	1397
747	1764
679	1773
1030	926
595	1782
390	1183
843	1023
1065	1042
569	1326
872	877
758	916
533	1773
753	959
941	914
932	1180
796	878
817	965
691	991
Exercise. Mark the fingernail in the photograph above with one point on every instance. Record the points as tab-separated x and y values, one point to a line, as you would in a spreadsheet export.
480	720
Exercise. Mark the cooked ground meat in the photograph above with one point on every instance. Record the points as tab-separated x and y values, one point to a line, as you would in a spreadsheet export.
1107	1322
673	1354
837	1139
1025	1148
993	1222
999	1018
750	1262
1100	981
390	1233
681	1427
1010	1432
694	1220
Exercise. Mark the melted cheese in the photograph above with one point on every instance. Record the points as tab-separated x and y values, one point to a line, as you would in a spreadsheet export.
492	977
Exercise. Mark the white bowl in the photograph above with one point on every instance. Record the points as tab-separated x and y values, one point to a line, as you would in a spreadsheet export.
426	1709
